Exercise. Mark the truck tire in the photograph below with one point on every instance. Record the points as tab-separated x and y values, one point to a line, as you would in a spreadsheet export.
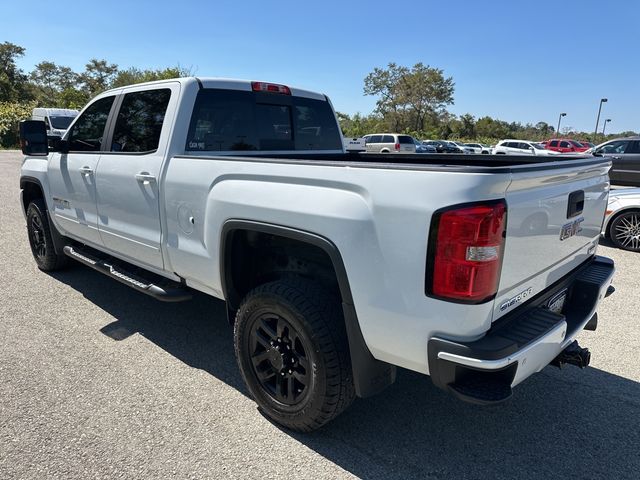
39	232
292	349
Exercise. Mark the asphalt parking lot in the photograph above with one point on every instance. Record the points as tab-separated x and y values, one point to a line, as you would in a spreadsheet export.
97	381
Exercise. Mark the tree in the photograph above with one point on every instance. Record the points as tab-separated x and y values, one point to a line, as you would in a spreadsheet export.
134	75
408	96
13	81
98	76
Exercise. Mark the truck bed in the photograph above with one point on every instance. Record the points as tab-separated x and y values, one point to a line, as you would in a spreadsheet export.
437	161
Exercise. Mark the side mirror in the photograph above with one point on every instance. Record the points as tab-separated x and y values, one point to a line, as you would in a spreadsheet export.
33	138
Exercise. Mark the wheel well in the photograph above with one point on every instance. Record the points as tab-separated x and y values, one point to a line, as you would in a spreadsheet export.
607	232
30	191
251	258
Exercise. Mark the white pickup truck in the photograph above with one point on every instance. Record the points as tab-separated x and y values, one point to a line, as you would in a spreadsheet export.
336	267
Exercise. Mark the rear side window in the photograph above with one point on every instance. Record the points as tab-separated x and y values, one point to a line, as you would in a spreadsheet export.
404	139
387	139
86	134
140	121
233	120
633	148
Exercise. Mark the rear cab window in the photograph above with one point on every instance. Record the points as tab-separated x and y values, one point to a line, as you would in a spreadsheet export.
236	120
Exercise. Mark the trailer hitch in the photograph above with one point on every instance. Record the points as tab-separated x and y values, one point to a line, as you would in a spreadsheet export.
574	354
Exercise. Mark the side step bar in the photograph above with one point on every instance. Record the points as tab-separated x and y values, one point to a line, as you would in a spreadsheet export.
167	292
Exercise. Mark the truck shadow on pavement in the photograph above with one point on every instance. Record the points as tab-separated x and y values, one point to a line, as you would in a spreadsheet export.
560	424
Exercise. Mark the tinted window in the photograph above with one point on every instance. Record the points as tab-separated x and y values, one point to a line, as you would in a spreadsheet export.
233	120
553	143
61	123
405	139
315	125
86	134
565	144
634	147
576	144
511	145
375	139
388	139
140	120
525	146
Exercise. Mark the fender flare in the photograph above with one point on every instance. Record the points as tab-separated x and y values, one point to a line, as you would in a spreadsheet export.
370	376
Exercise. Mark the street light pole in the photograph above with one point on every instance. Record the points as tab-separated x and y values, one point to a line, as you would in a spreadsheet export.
560	118
602	100
604	127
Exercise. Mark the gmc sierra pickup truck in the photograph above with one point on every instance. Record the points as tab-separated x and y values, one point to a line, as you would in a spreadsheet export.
335	267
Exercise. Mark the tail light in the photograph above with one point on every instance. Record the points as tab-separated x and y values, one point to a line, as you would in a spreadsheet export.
397	146
270	87
466	249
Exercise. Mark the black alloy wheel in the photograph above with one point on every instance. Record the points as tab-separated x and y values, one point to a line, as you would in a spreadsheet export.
279	358
39	233
292	349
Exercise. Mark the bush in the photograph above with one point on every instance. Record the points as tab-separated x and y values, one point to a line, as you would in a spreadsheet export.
10	116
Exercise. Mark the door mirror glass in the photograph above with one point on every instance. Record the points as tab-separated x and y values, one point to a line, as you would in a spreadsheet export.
33	137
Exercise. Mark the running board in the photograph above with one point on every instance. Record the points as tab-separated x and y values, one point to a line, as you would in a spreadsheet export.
168	291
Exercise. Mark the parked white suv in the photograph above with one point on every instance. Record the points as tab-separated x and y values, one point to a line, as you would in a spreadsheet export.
521	147
390	143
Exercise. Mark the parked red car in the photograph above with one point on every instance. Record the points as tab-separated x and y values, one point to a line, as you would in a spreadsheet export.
565	145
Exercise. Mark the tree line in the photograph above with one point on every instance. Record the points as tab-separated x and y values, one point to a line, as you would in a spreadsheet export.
58	86
414	100
410	100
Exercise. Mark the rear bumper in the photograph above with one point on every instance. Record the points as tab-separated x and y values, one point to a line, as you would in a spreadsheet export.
523	342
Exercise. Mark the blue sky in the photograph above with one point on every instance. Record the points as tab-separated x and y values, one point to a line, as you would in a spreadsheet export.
514	60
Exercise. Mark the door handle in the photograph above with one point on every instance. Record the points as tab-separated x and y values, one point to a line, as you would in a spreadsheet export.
86	171
145	177
616	158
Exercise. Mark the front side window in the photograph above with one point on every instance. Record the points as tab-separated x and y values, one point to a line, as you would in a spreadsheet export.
87	133
140	121
618	146
565	145
553	143
375	139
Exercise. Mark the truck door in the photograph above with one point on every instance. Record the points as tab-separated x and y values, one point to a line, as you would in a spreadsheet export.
632	163
128	174
72	178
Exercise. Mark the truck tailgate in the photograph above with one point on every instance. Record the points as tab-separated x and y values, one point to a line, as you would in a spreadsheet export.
554	221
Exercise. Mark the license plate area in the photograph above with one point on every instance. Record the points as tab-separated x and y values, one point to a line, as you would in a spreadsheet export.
556	302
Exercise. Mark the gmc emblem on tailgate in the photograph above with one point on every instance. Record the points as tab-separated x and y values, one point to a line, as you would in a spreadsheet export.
571	228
